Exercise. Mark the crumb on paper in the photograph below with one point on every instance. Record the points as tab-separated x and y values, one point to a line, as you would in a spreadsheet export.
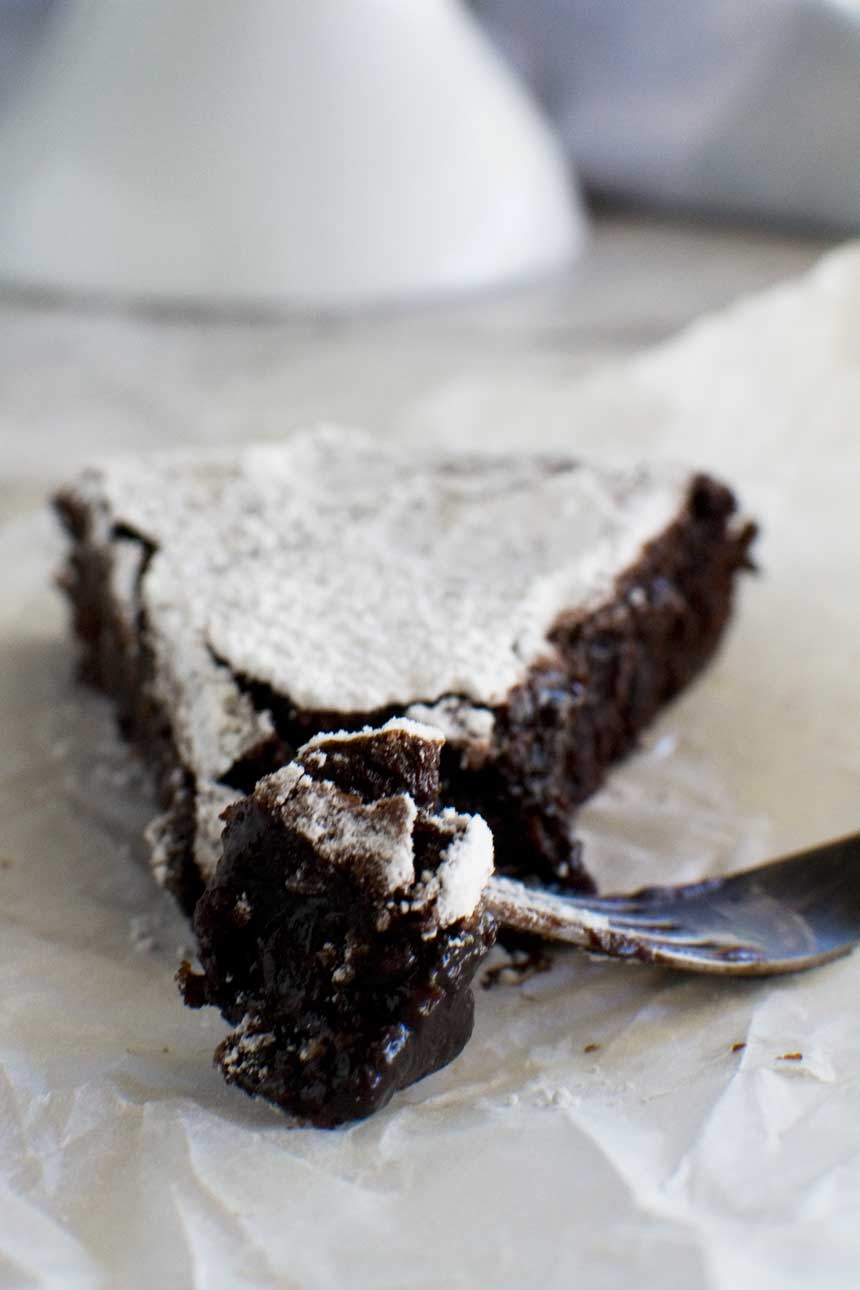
739	1046
790	1057
518	965
6	862
591	1048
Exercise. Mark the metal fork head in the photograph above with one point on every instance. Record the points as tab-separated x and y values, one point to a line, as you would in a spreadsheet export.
784	916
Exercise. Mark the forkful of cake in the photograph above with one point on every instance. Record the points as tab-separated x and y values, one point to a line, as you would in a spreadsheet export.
351	910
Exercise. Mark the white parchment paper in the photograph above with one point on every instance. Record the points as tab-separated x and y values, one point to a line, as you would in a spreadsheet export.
602	1128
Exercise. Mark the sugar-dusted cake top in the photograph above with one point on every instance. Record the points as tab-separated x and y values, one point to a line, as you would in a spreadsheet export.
352	577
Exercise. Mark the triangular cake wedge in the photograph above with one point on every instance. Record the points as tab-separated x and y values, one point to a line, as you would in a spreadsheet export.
537	611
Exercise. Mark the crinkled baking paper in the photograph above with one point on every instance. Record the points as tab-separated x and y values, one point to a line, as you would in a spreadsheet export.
608	1125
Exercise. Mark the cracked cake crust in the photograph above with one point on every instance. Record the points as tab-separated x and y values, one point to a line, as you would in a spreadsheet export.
588	643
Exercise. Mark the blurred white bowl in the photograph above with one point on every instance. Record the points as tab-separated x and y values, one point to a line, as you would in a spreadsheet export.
313	153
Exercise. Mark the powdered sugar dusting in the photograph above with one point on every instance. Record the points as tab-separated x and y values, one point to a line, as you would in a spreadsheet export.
410	725
214	722
352	578
210	801
374	841
246	1049
158	836
458	884
462	724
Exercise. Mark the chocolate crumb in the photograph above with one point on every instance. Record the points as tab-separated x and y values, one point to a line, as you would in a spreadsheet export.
591	1048
192	985
739	1046
790	1057
523	962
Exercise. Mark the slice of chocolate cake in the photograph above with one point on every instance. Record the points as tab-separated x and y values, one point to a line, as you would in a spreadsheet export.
343	926
537	611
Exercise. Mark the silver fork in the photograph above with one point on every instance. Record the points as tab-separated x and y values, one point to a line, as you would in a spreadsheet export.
783	916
